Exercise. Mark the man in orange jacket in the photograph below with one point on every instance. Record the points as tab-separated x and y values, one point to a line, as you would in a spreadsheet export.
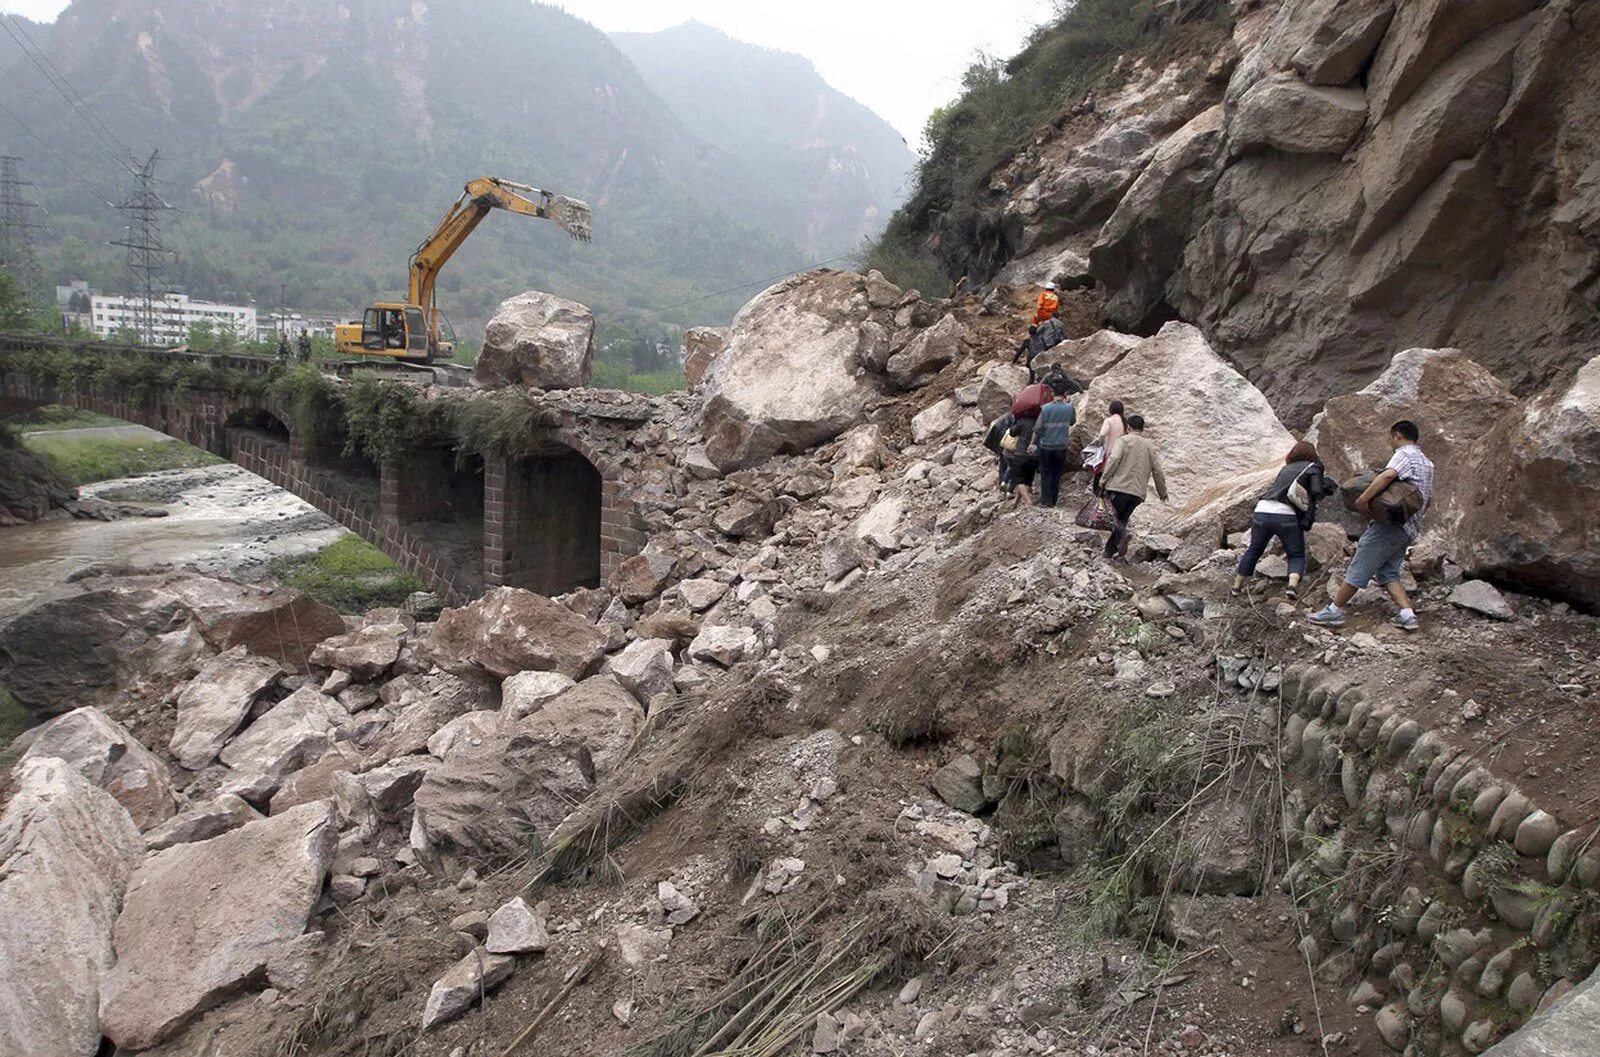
1049	301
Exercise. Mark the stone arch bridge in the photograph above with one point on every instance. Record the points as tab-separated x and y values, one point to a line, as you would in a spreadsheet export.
565	515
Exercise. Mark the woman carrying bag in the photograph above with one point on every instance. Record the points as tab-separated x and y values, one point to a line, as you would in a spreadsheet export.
1287	510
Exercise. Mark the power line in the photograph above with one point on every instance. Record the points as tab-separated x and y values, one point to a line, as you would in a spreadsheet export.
146	252
119	151
17	228
71	170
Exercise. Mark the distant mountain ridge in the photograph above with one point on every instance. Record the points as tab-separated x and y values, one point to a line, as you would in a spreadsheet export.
838	168
312	145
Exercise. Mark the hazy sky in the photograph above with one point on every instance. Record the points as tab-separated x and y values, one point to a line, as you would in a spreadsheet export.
900	57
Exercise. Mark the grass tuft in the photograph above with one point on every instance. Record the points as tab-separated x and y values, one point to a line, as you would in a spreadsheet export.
85	460
351	575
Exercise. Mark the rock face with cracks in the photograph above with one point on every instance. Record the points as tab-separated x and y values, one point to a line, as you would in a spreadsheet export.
537	340
67	851
201	920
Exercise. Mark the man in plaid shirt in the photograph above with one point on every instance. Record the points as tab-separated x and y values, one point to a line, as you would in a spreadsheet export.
1382	549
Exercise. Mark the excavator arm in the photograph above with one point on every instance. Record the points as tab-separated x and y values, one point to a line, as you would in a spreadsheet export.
480	197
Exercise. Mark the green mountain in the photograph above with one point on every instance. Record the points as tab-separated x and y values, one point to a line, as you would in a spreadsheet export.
799	156
310	146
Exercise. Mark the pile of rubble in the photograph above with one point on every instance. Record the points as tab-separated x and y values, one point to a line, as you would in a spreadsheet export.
257	800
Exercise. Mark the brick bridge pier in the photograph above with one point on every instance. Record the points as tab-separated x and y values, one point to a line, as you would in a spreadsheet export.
558	518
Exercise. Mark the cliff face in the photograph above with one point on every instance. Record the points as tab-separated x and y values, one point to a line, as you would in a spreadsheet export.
1348	178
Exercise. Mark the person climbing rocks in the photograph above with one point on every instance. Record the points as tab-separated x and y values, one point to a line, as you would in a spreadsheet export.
1049	302
1096	454
1381	551
1134	463
1021	464
1286	510
993	440
1042	337
1050	440
1056	377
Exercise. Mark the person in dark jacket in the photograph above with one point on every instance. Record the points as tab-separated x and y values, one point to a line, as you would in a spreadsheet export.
992	439
1021	465
1287	510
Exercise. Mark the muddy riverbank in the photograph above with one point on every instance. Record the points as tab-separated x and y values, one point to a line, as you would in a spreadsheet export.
220	520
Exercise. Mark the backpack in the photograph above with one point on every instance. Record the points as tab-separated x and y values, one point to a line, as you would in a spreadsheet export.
1398	503
993	440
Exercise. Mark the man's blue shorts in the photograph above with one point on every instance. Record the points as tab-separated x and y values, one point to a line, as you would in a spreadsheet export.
1380	553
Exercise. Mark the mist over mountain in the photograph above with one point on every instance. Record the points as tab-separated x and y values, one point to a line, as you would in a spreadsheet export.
833	169
311	146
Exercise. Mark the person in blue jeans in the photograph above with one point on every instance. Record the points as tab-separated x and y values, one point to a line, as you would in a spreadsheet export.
1381	551
1286	511
1050	439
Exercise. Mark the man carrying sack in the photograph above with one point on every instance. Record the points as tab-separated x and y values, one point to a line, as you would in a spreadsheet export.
1395	500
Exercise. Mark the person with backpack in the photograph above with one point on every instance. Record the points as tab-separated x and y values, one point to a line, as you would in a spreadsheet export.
1059	380
993	440
1287	510
1042	337
1050	440
1098	452
1133	464
1395	500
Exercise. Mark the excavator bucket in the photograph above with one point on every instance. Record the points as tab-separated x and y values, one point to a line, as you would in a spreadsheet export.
574	216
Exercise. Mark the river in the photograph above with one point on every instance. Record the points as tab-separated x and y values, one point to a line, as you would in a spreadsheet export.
220	519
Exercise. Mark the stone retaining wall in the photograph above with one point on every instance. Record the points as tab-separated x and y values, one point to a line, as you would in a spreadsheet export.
1499	915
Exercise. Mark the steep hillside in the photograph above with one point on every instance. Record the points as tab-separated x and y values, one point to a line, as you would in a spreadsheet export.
313	145
1316	185
833	169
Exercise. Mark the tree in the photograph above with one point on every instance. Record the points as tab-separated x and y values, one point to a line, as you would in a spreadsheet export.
17	313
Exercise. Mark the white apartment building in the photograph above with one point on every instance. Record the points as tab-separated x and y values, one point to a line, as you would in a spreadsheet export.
173	315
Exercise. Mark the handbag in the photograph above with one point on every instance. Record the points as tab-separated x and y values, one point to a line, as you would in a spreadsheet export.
1009	442
1097	513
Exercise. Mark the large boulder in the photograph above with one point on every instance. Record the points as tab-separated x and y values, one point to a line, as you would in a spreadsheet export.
200	920
1086	359
67	851
1454	401
274	622
537	340
365	653
508	631
1530	511
1327	41
214	704
29	486
294	732
101	750
1211	425
494	796
701	346
925	355
788	379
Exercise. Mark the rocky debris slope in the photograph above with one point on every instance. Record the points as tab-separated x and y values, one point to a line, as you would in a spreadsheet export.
1341	181
850	712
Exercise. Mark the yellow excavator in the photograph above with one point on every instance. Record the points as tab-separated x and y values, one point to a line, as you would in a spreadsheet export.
414	332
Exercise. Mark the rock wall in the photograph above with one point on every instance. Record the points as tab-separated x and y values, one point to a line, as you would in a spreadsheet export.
1348	180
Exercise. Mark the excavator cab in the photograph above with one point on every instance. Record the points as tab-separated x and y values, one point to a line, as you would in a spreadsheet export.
394	330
